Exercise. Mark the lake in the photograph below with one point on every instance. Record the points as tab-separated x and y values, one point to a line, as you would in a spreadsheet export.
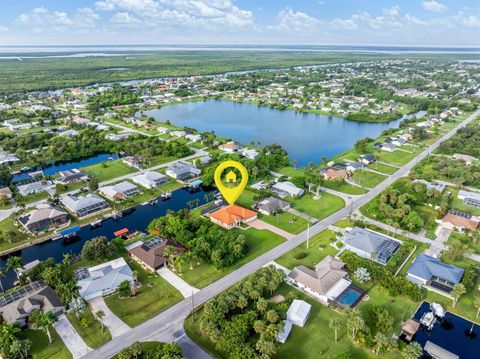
306	137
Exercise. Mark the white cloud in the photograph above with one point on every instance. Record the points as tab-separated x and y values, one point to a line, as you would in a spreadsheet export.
124	18
472	21
392	11
291	20
434	6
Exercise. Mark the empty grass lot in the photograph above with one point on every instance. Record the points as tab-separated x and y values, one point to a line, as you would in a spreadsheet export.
344	187
42	349
258	241
93	335
368	179
282	220
319	247
381	167
155	295
109	170
319	209
398	158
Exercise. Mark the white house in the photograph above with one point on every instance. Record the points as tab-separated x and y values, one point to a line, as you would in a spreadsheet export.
251	154
193	137
119	191
298	312
103	279
284	189
35	187
150	179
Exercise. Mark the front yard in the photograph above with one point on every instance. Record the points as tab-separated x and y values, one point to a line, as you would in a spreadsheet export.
319	209
367	179
42	349
93	335
286	221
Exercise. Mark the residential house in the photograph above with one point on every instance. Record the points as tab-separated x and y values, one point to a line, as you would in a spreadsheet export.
5	191
115	137
82	206
232	216
150	179
68	133
285	189
465	158
398	141
43	219
103	279
460	220
150	255
370	244
119	191
34	187
471	199
6	158
440	187
134	161
16	306
388	147
325	283
229	147
204	160
193	137
272	205
367	159
334	174
433	274
183	171
355	166
71	176
298	312
251	154
178	133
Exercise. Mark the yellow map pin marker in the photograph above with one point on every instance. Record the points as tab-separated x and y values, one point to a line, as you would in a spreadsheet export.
231	194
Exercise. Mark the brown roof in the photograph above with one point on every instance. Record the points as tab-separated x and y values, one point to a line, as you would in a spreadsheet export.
411	326
327	273
460	221
332	173
153	256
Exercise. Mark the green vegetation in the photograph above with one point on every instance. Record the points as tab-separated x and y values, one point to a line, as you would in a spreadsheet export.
381	167
286	221
367	179
319	247
148	350
42	349
319	209
344	187
90	329
397	157
109	170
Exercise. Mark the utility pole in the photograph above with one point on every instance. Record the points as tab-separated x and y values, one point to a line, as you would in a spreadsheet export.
308	236
193	307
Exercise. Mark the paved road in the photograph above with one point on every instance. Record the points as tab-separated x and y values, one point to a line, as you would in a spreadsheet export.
170	319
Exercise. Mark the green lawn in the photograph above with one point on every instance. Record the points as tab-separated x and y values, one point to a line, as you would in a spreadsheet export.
367	179
282	220
291	171
344	187
60	188
93	335
319	248
258	241
398	158
109	170
155	295
35	197
42	349
160	160
458	204
246	199
8	225
319	209
381	167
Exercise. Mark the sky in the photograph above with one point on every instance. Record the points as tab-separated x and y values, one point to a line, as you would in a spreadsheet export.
281	22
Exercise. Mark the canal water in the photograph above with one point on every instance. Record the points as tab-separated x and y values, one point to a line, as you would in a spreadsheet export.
307	137
53	168
138	219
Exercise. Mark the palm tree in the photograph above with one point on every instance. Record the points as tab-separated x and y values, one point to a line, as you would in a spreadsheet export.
124	289
476	303
42	321
67	259
457	291
272	316
412	351
2	274
21	348
169	253
265	347
335	324
100	314
381	342
188	258
14	263
355	321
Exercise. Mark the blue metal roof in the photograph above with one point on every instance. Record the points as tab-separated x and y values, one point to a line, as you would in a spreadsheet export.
70	230
426	267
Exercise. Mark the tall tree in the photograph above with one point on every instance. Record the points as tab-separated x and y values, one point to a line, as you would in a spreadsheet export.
335	324
457	291
42	321
355	322
412	351
14	263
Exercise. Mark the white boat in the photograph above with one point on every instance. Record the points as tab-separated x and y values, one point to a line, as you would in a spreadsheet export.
166	195
428	320
117	214
146	203
438	310
96	223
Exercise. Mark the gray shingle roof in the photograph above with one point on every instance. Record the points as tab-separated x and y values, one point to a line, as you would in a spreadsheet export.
427	267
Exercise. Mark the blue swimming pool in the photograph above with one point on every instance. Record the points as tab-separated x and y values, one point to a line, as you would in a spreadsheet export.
453	333
349	297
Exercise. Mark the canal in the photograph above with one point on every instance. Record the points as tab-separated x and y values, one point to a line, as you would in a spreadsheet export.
307	137
138	219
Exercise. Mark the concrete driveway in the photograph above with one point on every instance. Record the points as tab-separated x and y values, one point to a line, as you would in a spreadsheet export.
114	324
73	341
183	287
259	224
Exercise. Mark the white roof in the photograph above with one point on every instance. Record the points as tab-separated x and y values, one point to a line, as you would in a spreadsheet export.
338	288
148	176
299	309
288	187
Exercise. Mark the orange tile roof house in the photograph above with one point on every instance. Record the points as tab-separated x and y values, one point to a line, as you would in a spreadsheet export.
460	220
335	175
231	216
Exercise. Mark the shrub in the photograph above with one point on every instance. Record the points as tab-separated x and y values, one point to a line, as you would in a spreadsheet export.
300	255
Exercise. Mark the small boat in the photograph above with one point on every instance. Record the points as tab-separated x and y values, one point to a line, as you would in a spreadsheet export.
153	202
438	310
166	195
107	216
117	214
56	237
146	203
428	320
96	223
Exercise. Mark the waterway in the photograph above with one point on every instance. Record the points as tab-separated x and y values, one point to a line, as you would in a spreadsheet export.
138	219
307	137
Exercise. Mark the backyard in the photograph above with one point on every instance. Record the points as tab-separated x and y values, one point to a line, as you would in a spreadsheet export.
109	170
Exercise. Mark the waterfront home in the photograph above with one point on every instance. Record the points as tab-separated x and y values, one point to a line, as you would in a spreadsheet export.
370	244
272	205
193	137
7	192
398	141
115	137
471	199
151	254
119	191
68	133
44	218
325	283
162	130
440	187
71	176
334	174
354	166
16	306
6	158
183	171
251	154
232	216
367	159
431	273
82	206
204	160
229	147
388	147
177	133
103	279
34	187
134	161
285	189
465	158
299	312
460	220
150	179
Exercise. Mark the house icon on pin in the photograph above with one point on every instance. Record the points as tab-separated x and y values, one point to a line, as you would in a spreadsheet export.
231	177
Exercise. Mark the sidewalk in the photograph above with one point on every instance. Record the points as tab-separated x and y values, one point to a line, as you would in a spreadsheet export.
183	287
